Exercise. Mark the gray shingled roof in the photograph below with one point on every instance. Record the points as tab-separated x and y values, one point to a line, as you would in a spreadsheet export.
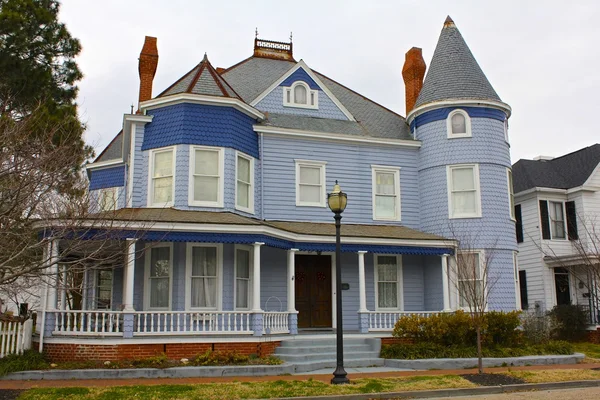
114	149
454	72
313	124
568	171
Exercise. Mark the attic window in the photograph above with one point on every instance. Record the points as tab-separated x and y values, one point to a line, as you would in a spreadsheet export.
300	95
458	124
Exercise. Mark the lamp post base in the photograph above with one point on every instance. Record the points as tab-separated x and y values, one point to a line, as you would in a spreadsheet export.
339	376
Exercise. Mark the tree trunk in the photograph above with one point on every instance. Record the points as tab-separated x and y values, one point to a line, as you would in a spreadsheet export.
479	351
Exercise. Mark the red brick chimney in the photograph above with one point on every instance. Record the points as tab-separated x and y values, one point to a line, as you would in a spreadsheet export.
148	62
413	73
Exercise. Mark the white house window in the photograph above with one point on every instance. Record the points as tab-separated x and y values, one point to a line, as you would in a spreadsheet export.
464	200
161	184
511	194
470	279
103	285
557	220
386	193
300	95
310	183
206	186
243	275
204	274
388	282
506	130
108	199
244	197
458	124
159	267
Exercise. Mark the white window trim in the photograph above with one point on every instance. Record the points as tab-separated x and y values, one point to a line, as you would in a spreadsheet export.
481	274
151	176
250	250
386	169
467	133
506	131
147	257
95	288
249	209
400	286
188	276
309	93
564	214
449	169
221	185
309	163
115	198
511	194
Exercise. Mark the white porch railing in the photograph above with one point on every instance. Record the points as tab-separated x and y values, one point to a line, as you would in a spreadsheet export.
87	322
15	337
385	320
192	322
275	322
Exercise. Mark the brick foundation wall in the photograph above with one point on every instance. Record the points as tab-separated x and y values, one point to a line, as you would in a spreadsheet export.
392	340
594	336
61	352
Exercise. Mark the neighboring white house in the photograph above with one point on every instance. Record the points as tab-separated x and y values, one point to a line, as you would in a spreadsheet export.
557	205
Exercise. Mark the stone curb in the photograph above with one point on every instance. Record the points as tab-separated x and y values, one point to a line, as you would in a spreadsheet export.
461	363
426	394
147	373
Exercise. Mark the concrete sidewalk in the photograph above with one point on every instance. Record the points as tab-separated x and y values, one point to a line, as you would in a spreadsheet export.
322	376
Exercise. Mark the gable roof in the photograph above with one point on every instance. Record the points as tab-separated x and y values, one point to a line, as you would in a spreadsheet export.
114	150
569	171
454	72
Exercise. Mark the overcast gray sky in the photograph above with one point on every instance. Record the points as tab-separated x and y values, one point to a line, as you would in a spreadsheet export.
542	57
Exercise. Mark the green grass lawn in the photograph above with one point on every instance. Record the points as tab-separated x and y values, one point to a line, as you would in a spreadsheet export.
591	351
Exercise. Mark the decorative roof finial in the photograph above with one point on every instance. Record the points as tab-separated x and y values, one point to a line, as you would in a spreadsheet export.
448	22
290	37
205	57
256	33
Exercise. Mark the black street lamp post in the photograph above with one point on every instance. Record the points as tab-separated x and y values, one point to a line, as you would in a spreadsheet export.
337	201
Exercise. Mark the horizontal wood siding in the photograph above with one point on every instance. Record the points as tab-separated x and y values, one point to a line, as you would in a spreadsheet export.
273	279
432	276
413	288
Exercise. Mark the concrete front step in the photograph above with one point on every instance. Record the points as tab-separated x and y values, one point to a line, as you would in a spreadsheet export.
294	358
351	348
358	363
323	342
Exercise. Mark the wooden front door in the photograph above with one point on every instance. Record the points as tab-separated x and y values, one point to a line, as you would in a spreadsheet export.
313	291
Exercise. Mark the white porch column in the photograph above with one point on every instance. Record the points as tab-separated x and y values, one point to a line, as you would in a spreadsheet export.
63	292
129	276
362	287
291	284
53	278
256	278
445	282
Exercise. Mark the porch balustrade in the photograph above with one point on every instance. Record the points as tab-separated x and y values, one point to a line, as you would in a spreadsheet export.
191	322
94	322
386	320
275	322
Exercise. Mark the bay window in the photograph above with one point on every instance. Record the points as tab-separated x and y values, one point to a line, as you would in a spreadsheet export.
162	167
206	177
244	188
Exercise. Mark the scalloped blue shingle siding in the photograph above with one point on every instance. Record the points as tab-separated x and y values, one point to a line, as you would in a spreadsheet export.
273	102
202	125
442	114
300	75
107	177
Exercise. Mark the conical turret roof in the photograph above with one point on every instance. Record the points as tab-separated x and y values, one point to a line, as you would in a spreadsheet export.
454	73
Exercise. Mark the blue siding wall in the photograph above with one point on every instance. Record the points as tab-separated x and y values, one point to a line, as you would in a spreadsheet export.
273	102
273	279
413	288
432	277
140	170
107	177
300	75
350	164
442	114
203	125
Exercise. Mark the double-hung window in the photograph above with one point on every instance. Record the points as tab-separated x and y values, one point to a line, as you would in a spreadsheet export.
103	289
206	183
243	278
244	187
159	269
470	279
204	276
557	219
386	193
388	282
108	199
310	183
162	169
464	200
511	194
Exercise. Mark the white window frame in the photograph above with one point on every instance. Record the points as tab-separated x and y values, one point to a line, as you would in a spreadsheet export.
95	288
114	192
482	278
312	96
188	276
511	194
564	219
311	164
386	169
250	208
506	131
400	285
153	153
250	251
477	213
221	185
467	133
147	256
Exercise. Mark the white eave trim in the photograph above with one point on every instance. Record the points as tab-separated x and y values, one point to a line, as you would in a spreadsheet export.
458	102
273	130
137	118
583	188
103	164
201	99
322	86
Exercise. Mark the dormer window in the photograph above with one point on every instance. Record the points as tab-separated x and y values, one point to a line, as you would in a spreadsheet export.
300	95
458	124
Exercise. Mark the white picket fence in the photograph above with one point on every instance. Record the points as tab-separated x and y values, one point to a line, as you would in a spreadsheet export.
15	337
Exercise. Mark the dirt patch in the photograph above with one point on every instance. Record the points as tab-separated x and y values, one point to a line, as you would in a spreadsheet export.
492	379
6	394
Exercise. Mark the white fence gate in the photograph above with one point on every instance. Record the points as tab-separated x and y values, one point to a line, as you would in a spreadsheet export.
15	337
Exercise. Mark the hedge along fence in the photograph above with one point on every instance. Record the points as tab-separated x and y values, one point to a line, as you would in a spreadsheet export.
15	335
